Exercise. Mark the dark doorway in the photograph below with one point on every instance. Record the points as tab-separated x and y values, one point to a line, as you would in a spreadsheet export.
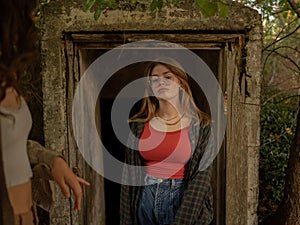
109	139
106	98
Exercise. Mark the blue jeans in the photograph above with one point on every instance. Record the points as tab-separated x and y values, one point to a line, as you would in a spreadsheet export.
159	200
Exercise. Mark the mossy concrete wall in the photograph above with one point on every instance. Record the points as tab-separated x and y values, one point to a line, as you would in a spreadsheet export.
242	143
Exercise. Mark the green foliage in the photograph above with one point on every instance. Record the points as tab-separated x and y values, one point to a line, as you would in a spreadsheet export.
278	121
156	4
278	18
223	9
100	6
207	8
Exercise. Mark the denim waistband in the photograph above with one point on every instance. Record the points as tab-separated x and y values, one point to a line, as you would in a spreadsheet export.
163	181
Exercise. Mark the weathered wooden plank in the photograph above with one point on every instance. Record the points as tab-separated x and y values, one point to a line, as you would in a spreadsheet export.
170	37
236	165
71	153
186	45
93	211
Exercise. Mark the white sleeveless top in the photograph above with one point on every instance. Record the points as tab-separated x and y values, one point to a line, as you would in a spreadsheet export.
14	134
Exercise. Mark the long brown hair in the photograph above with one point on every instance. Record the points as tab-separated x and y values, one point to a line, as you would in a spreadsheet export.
17	41
150	103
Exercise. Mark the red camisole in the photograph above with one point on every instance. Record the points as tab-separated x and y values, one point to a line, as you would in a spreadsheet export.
165	153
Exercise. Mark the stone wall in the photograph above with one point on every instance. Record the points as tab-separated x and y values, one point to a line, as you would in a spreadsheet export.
243	78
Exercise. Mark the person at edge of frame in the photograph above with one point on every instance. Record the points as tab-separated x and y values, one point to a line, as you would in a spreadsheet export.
17	53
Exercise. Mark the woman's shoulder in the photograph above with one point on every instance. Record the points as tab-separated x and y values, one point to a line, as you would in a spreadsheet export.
14	108
198	128
12	102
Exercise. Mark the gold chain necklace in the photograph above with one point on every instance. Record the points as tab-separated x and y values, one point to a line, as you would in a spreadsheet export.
168	121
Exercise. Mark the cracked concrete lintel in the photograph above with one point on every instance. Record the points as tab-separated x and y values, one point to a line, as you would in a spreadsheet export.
71	16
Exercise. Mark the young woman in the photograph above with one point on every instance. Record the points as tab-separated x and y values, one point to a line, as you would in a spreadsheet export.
17	51
171	135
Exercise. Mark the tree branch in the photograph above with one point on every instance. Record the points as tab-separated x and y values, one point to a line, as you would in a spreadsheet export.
278	83
280	39
277	94
270	52
288	58
294	7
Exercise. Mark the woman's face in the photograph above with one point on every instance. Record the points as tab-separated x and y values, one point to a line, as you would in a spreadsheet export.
164	84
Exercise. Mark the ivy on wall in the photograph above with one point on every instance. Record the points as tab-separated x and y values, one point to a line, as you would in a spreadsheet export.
207	8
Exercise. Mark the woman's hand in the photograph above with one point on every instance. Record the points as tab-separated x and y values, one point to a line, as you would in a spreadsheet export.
65	178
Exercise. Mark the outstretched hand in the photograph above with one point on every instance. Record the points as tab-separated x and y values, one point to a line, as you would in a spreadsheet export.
66	179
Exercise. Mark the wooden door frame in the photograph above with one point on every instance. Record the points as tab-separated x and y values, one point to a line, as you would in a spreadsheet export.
76	42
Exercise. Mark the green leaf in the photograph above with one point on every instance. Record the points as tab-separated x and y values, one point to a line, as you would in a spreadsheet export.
176	2
207	8
160	4
156	4
112	4
98	13
89	4
223	9
153	5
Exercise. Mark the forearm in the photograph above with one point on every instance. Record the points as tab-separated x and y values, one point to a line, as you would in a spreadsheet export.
41	159
39	154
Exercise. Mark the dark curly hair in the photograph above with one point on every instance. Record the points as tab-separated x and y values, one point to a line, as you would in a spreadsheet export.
18	38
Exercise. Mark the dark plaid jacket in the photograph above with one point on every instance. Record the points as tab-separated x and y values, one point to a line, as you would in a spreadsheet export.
196	207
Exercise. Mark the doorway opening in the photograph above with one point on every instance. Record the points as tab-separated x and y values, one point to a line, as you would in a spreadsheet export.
106	98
